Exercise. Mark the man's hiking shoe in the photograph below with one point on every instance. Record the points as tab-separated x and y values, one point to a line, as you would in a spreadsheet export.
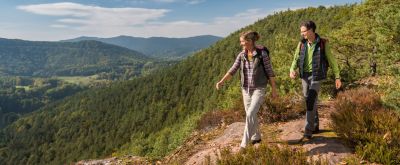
316	130
307	137
255	141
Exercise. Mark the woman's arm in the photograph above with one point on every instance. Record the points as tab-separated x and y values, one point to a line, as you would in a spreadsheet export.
274	93
232	71
227	76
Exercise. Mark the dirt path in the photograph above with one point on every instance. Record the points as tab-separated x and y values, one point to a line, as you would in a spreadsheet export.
323	146
230	138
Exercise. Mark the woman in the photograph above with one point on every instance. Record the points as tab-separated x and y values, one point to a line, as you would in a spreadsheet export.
255	71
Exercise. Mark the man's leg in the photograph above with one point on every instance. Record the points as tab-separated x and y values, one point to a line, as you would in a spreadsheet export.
316	86
305	82
312	120
316	121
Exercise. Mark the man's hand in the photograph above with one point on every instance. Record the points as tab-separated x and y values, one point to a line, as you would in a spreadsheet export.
219	84
292	74
338	83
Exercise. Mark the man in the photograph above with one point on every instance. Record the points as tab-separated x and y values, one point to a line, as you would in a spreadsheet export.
312	57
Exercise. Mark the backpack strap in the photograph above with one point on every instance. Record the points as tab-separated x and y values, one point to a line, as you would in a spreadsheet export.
322	44
302	44
259	49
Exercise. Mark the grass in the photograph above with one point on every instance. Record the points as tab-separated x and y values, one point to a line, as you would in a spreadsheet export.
263	155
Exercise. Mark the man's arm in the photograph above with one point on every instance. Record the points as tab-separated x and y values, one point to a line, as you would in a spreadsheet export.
294	66
333	63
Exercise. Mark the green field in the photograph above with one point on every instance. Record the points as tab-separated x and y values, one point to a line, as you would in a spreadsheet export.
27	88
80	80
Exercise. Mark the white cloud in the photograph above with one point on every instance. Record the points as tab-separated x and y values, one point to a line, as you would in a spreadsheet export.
75	20
165	1
193	2
84	15
58	26
221	26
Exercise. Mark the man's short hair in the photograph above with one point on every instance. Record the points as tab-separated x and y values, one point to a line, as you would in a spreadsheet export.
309	25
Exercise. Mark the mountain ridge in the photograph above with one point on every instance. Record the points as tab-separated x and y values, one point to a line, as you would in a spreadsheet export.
158	47
44	58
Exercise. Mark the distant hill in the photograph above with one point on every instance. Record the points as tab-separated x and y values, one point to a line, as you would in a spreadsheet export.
34	58
160	47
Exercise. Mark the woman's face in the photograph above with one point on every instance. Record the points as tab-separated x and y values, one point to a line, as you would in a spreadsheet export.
246	44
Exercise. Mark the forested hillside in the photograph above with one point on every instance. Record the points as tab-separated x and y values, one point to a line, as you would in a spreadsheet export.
152	115
33	58
22	95
159	47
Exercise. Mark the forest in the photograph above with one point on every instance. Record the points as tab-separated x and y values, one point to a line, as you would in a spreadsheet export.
85	58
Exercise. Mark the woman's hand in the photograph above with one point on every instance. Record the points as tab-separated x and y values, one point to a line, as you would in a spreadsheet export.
219	84
274	93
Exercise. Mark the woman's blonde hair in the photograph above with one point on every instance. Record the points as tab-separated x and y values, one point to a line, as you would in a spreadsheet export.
250	36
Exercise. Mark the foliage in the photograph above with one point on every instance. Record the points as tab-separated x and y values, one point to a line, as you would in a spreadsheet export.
389	86
216	117
16	101
283	109
374	131
264	154
372	34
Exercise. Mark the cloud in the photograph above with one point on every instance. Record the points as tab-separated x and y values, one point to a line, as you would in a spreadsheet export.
58	26
85	15
73	20
191	2
221	26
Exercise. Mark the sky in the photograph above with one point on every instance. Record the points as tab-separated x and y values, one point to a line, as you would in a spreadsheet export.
53	20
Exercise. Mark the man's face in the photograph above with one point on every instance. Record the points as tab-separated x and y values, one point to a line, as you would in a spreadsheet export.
306	33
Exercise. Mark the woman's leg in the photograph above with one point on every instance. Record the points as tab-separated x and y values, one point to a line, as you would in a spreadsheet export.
253	101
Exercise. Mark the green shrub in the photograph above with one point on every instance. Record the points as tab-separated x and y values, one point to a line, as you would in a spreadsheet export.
272	110
282	109
390	85
361	119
